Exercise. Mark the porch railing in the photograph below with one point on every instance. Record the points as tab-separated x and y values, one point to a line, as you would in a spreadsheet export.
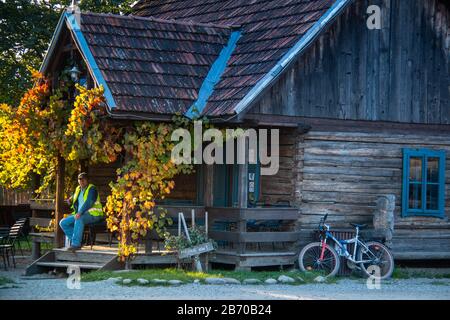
250	229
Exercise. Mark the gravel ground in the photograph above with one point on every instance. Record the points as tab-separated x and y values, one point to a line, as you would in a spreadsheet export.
46	287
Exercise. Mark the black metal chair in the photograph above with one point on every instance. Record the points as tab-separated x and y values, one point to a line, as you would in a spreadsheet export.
4	231
20	223
7	246
24	221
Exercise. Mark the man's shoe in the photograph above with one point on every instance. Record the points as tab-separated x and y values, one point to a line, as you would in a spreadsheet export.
73	249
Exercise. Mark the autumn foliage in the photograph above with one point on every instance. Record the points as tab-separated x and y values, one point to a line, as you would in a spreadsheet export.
146	176
47	125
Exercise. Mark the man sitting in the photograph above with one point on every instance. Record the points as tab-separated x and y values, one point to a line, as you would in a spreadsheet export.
86	209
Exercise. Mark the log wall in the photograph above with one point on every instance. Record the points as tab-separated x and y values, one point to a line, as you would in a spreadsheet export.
280	187
185	188
102	175
342	173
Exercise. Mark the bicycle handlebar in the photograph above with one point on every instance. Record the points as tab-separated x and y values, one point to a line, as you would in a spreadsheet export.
322	220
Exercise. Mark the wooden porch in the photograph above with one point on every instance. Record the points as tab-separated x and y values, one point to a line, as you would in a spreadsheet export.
246	238
254	237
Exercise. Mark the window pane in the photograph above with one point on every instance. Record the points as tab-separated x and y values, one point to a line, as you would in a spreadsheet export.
432	196
415	196
415	169
433	170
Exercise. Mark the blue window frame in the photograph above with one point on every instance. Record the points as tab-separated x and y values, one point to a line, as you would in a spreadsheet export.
423	183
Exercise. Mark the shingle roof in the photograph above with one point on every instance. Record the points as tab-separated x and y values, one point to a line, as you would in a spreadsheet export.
269	29
152	65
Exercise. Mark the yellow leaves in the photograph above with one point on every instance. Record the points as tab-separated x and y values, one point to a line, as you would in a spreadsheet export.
90	137
35	74
23	136
149	205
145	177
44	125
117	148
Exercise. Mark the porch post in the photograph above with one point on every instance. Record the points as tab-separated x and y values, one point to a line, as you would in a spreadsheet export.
243	179
209	185
59	205
242	203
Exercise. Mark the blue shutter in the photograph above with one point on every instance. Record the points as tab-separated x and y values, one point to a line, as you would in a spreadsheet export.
405	186
442	184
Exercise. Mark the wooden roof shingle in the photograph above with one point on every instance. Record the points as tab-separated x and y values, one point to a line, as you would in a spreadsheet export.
152	65
269	29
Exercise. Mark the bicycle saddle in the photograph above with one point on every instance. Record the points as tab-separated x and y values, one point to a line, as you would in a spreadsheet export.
359	226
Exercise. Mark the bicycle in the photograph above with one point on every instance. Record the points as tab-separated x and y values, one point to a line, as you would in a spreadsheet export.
320	256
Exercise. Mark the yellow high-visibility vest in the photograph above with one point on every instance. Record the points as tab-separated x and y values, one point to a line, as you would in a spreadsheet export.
96	209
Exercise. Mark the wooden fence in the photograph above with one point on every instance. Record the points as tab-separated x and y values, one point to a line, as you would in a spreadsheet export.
14	197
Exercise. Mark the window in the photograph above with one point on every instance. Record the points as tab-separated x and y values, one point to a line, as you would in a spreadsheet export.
423	182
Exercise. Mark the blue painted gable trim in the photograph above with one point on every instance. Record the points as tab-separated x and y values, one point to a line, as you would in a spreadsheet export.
213	76
297	49
90	60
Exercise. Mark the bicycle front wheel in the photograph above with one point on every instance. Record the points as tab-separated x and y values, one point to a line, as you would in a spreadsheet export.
380	262
309	259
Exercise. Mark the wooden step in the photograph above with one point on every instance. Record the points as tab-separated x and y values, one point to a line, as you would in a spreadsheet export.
84	256
154	259
86	260
65	264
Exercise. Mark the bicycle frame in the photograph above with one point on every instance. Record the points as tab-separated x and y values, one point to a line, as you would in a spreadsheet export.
342	244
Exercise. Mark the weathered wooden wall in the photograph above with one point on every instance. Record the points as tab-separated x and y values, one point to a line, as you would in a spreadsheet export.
400	73
185	188
102	175
280	187
14	197
342	173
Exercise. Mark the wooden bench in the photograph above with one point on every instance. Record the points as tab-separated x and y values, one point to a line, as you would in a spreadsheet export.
39	237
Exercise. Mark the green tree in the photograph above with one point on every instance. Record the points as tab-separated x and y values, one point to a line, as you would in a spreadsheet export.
26	27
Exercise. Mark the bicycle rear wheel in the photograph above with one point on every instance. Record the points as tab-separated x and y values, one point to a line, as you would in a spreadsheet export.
309	259
379	256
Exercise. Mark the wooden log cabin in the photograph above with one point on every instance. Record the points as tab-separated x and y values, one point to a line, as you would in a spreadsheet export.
362	112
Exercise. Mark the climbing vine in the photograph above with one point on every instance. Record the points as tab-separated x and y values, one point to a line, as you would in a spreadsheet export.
86	136
48	124
146	176
24	147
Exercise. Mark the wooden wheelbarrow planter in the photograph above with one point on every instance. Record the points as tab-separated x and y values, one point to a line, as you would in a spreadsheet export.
196	250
